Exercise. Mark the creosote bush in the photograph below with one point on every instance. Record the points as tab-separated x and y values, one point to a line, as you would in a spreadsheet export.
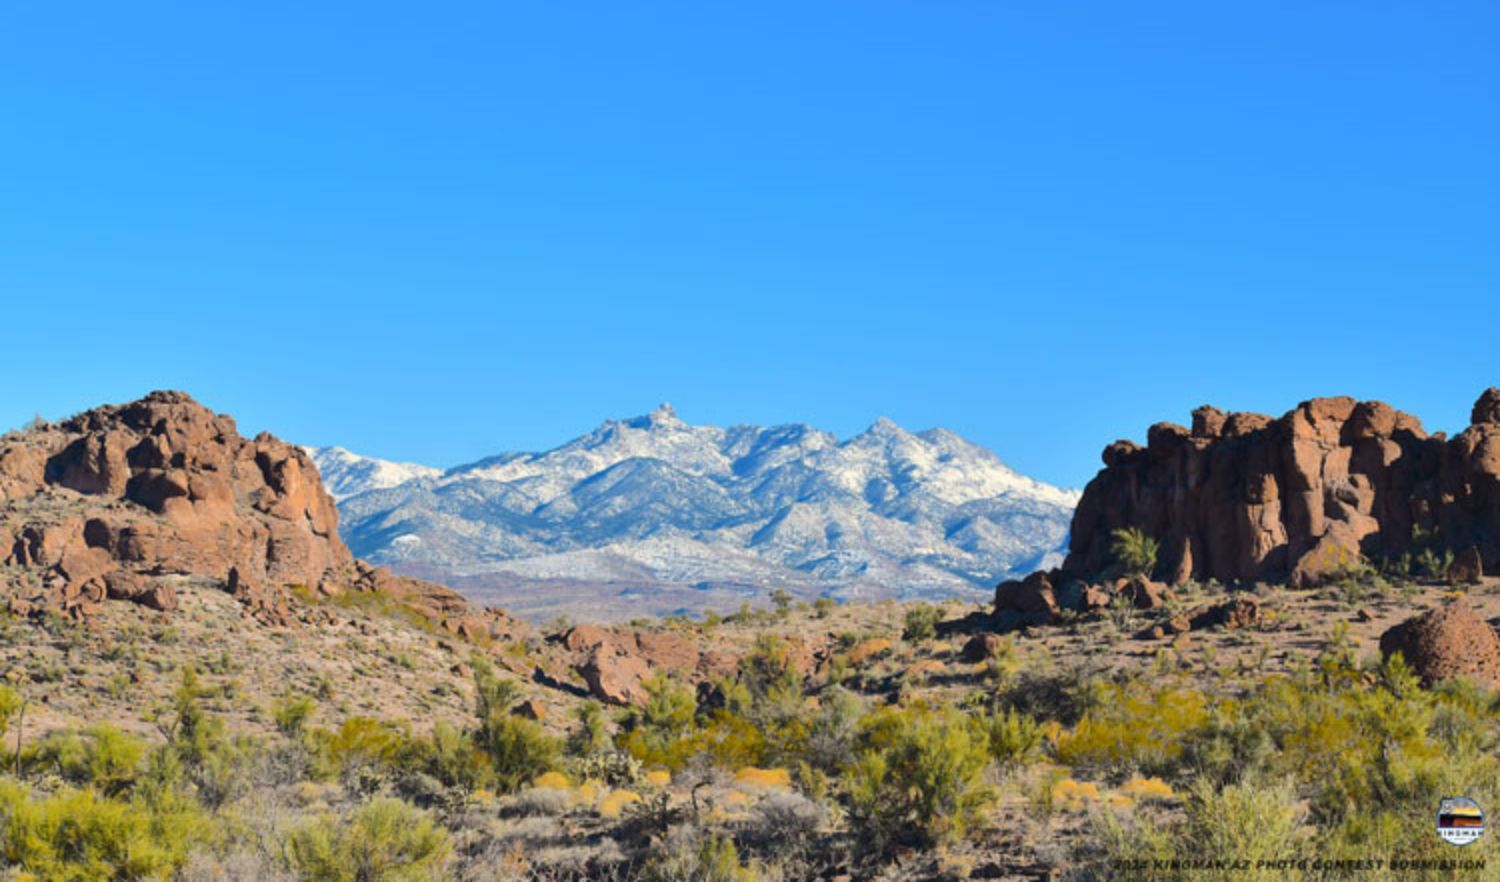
918	777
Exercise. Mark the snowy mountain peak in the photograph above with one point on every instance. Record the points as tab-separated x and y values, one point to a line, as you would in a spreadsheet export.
345	473
664	417
653	500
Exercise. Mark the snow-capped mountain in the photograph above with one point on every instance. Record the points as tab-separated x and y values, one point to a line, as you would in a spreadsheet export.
652	505
345	473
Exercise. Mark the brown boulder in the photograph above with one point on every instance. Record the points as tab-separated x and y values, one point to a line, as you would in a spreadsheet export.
981	648
1449	641
615	678
1238	612
586	638
1032	598
663	650
1146	594
530	709
150	593
1467	568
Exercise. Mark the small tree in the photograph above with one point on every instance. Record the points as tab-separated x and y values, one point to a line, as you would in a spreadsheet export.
782	600
1134	551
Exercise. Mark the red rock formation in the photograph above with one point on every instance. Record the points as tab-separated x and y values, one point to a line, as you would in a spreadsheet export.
1244	497
161	486
109	503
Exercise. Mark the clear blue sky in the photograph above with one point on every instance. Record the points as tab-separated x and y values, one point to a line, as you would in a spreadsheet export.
435	231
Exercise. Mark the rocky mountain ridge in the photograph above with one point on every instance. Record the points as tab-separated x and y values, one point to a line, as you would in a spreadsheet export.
651	501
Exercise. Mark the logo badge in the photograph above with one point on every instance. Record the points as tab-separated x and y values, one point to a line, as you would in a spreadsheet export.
1459	820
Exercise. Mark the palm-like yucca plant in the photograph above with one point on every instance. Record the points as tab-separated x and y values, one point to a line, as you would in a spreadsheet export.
1133	550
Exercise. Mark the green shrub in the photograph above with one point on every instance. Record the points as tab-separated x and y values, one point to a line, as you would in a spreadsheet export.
921	623
81	836
291	713
1013	737
102	757
918	777
10	706
385	840
1134	551
518	749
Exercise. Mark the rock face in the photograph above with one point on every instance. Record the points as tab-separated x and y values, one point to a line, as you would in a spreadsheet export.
101	503
1447	642
1241	497
615	663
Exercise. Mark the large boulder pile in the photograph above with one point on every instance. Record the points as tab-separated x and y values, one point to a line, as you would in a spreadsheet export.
1242	497
1446	642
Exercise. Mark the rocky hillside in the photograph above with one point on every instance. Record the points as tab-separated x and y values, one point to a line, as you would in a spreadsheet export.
1332	482
138	501
659	515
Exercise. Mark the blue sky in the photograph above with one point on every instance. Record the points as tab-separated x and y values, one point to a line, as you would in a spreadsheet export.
436	231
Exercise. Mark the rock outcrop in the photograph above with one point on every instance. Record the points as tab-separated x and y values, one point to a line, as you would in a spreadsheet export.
615	663
103	503
1244	497
124	502
1449	641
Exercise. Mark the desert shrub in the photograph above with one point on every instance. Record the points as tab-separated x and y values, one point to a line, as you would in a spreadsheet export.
198	753
782	600
785	820
590	735
359	747
1251	825
769	674
448	755
78	835
102	757
828	744
1012	736
613	768
1134	551
291	713
660	732
918	777
1064	694
518	749
921	623
385	840
10	706
823	606
542	801
1137	727
711	860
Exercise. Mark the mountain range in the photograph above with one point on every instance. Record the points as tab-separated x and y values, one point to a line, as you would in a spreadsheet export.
655	515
